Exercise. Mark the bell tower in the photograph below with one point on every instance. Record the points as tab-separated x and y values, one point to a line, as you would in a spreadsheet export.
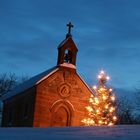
67	50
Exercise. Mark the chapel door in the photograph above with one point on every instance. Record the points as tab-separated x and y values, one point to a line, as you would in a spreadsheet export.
60	117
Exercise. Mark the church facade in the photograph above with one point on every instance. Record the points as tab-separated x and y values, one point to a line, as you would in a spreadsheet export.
56	97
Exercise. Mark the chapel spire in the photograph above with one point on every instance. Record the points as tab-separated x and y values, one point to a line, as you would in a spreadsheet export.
67	50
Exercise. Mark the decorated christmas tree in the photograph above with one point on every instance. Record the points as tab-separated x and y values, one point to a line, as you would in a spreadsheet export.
101	110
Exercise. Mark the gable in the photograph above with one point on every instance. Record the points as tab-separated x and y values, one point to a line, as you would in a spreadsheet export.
68	42
64	76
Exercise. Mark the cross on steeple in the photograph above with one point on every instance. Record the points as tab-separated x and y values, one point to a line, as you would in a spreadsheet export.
69	25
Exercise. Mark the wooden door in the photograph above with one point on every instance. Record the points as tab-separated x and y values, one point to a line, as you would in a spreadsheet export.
60	117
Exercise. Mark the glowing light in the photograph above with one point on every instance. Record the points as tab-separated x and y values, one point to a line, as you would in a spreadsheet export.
104	97
101	89
102	72
106	122
111	109
100	122
91	100
106	106
97	111
91	96
89	108
94	87
88	121
110	124
110	89
99	76
92	122
96	100
114	118
107	77
113	98
84	120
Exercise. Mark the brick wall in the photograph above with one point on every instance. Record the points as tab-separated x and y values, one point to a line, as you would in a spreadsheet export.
62	89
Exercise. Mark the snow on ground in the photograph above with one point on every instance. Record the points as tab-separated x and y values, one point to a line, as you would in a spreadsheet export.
121	132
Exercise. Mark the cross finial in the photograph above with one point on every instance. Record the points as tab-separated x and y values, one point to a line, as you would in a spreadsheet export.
69	25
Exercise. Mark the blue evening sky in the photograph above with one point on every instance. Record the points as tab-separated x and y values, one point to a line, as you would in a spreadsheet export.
107	34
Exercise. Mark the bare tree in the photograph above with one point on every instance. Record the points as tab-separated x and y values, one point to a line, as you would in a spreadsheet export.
137	98
125	111
8	81
137	106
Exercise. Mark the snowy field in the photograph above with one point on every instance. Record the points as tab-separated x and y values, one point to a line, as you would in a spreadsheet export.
122	132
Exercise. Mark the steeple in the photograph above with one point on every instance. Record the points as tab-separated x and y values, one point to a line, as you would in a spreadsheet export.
67	50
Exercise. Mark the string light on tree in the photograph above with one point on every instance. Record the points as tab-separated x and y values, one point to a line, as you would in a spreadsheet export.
102	106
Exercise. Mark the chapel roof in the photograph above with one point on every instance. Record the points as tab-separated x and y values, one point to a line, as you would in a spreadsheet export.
30	83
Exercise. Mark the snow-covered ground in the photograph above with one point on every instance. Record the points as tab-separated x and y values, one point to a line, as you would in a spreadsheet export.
121	132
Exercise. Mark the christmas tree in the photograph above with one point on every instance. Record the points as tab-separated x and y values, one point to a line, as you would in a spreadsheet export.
101	110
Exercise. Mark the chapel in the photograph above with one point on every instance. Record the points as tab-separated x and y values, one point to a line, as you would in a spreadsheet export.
55	97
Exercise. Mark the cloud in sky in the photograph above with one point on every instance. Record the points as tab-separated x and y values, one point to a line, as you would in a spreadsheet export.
106	32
